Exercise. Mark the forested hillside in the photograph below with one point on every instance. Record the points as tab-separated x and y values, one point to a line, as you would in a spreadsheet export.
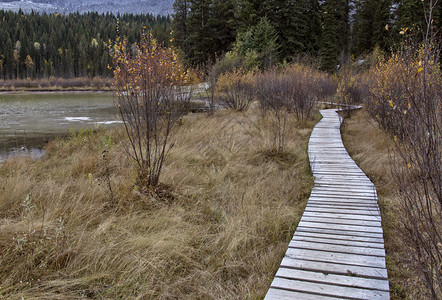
75	45
328	31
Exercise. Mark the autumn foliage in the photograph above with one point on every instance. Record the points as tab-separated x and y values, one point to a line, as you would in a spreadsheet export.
149	80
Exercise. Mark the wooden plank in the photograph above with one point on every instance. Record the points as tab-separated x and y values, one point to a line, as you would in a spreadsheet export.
334	268
321	178
343	198
345	205
328	290
335	183
347	208
348	196
281	294
334	257
340	210
338	241
332	188
338	216
344	249
344	193
348	203
343	280
355	228
331	231
341	221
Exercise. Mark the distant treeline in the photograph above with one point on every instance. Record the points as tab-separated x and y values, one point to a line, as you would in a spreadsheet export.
75	45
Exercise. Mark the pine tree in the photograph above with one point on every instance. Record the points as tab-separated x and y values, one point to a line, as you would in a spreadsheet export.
381	23
223	25
297	22
370	26
181	9
261	41
335	20
199	39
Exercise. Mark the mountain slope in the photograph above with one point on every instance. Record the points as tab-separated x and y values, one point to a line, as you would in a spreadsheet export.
161	7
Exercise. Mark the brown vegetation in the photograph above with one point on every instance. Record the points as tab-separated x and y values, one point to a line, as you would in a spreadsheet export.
57	84
217	228
372	149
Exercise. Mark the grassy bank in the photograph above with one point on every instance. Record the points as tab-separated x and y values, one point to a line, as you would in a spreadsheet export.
74	224
56	84
372	148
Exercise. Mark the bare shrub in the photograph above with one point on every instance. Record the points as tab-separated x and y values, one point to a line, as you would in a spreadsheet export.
353	88
293	91
236	89
405	99
273	92
151	99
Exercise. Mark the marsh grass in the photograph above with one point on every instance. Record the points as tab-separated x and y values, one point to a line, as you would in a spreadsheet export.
372	149
218	228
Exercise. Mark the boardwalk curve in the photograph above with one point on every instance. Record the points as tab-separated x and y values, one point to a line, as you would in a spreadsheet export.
337	251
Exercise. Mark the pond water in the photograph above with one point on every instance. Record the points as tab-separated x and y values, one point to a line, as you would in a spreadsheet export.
28	121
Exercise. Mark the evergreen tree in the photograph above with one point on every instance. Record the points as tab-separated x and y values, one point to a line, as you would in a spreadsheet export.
260	41
411	14
223	25
381	22
200	39
181	9
335	22
297	22
370	26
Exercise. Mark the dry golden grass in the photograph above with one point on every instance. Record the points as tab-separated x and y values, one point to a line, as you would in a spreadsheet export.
371	148
229	208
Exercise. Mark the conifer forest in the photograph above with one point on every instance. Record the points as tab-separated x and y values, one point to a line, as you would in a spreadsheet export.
259	33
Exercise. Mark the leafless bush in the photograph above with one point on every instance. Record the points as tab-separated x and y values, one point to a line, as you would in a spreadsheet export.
273	93
406	101
236	89
353	88
294	91
308	87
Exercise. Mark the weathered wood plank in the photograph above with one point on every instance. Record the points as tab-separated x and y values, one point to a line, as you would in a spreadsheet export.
334	268
340	210
344	205
334	257
339	232
344	196
338	240
355	228
344	280
338	216
281	294
328	290
347	249
341	221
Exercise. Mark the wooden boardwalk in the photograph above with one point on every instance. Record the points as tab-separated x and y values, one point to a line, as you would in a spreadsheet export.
337	251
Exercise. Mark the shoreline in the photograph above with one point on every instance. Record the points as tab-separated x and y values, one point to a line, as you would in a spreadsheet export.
48	91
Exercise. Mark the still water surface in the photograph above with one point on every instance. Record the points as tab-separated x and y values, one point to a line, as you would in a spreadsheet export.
28	121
